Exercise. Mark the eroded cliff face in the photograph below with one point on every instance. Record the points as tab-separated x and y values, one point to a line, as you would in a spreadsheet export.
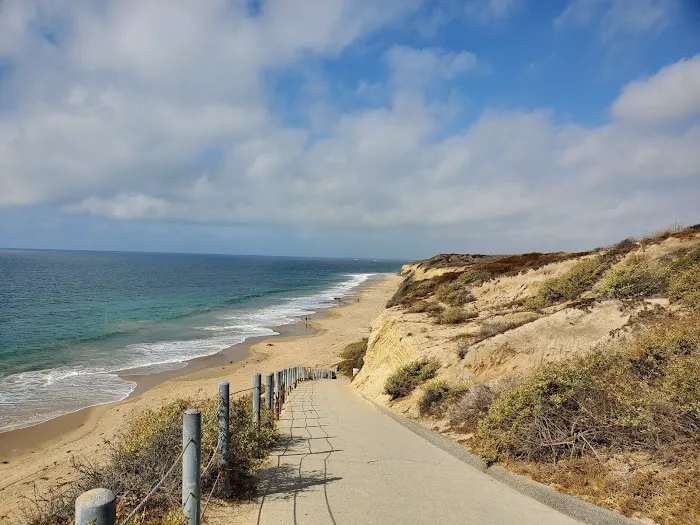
528	337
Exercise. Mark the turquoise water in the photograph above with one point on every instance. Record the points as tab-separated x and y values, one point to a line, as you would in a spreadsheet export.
69	321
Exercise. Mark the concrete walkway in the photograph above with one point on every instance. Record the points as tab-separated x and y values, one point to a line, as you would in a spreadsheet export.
341	461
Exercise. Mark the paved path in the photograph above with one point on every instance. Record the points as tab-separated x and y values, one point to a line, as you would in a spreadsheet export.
341	461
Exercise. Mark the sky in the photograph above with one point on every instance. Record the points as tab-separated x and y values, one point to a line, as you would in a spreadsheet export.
392	129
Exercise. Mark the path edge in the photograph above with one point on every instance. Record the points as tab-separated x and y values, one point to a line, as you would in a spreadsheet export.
580	510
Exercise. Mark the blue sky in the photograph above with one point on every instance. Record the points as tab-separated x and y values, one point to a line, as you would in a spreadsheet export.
346	127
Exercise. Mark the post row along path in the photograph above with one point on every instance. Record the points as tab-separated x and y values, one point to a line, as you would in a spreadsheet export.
342	461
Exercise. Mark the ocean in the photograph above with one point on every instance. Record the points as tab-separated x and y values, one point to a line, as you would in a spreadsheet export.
71	321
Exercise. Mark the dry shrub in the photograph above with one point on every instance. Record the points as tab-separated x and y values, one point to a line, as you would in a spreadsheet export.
642	397
473	405
637	276
569	285
455	315
353	357
492	328
436	394
145	451
667	494
405	380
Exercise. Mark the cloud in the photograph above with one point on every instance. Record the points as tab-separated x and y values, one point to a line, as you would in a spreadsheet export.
491	10
670	95
411	67
113	115
619	17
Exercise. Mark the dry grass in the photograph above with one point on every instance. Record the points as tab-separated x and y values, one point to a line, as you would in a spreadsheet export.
490	329
140	456
455	315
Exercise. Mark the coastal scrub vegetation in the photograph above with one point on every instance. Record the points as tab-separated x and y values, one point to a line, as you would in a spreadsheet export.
455	315
570	284
353	357
407	378
139	457
639	400
436	394
636	276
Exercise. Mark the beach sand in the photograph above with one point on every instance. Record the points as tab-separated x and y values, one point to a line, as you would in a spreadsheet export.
41	455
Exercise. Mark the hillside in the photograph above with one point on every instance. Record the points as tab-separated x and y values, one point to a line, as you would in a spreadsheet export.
581	370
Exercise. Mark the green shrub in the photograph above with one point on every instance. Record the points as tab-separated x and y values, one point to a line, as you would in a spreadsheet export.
353	357
433	394
684	282
405	380
148	447
638	276
569	285
455	315
457	292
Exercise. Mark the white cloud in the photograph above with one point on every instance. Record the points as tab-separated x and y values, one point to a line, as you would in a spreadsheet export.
490	10
411	67
619	17
112	123
670	95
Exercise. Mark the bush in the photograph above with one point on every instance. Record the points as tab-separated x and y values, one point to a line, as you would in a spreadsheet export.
455	315
684	282
149	446
569	285
472	406
353	357
638	276
433	394
405	380
640	397
457	292
419	307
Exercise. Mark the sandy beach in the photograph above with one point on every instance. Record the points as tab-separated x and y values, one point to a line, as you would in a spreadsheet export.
41	455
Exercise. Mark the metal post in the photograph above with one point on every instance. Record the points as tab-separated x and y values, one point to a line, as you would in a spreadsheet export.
96	507
268	391
278	399
223	436
256	400
192	445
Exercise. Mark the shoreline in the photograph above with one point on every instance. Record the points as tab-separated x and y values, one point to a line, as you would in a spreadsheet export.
42	453
16	442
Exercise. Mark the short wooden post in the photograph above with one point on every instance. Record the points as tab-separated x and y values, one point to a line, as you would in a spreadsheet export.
96	507
192	445
224	416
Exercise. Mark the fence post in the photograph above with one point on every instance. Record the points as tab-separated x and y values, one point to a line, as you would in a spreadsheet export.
96	506
223	435
268	391
277	395
192	445
256	400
